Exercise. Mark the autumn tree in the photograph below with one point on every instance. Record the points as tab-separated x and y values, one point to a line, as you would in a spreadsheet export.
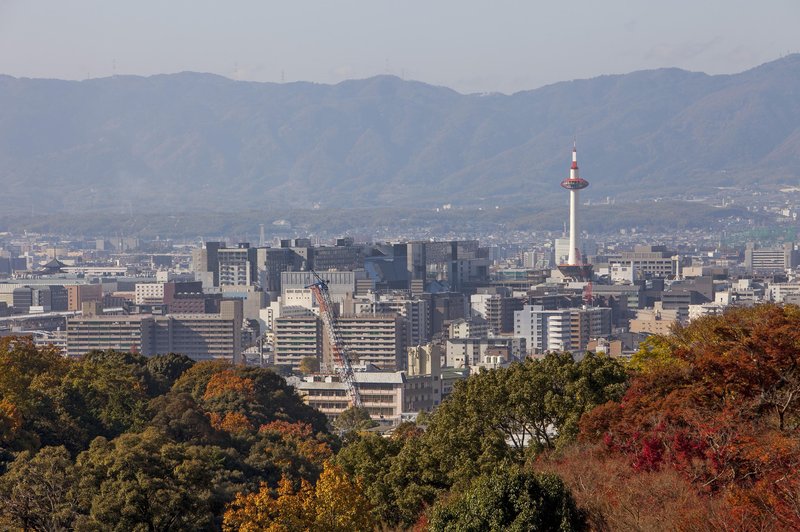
27	412
244	399
335	504
290	450
718	401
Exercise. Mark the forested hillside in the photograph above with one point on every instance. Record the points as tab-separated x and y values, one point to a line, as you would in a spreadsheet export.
699	431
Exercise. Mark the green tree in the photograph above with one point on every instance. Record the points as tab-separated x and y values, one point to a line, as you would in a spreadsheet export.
369	457
507	414
353	419
145	481
290	450
37	492
493	419
309	365
181	419
509	499
166	369
105	393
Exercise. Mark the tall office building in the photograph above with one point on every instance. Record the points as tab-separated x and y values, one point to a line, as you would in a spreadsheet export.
81	293
413	311
205	263
237	266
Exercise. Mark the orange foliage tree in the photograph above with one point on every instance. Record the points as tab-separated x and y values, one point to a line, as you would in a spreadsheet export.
226	382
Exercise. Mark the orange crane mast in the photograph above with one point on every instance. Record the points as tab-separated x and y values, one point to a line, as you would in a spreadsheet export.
341	355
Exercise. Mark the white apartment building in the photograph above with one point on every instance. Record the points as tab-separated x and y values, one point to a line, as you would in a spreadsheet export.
472	328
544	330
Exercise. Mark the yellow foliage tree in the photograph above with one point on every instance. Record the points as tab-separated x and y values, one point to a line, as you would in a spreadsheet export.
654	352
335	504
10	421
340	503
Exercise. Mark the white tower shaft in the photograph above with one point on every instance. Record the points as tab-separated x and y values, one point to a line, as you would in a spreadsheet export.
574	183
573	228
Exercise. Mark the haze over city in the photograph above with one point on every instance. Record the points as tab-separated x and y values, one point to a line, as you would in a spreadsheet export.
470	46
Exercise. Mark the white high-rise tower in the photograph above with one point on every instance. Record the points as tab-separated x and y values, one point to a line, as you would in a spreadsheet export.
574	183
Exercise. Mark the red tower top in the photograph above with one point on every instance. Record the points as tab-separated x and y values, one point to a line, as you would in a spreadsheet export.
574	181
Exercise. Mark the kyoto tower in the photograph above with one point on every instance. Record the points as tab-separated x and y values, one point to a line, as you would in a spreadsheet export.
576	267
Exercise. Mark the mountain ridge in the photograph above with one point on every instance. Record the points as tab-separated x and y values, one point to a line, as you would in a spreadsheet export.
203	141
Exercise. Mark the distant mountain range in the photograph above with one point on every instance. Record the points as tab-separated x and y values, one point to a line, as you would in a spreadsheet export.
182	142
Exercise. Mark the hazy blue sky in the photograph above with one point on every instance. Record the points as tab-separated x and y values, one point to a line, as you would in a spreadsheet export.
496	45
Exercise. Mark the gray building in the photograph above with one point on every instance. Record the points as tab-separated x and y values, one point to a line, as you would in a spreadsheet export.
770	260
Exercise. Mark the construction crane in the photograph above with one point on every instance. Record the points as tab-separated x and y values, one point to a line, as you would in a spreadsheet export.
341	355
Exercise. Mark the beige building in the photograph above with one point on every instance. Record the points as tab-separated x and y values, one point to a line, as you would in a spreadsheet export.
198	336
475	327
656	320
378	339
655	261
149	293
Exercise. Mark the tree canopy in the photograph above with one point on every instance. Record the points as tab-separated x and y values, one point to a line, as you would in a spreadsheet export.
700	429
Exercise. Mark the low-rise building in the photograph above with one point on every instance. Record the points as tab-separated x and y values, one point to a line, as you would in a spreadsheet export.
656	320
